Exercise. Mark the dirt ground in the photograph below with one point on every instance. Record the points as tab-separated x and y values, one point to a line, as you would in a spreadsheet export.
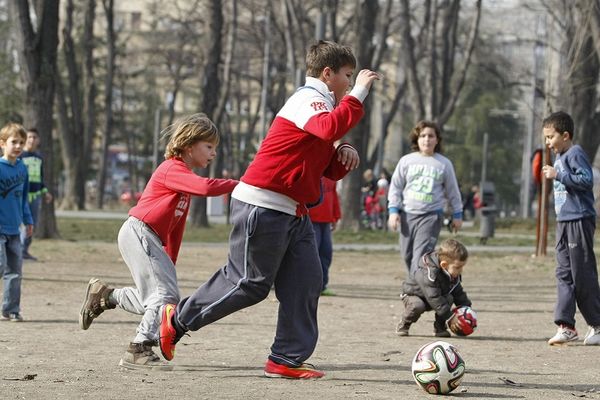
49	357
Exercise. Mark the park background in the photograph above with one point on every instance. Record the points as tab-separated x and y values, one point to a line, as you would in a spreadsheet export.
101	79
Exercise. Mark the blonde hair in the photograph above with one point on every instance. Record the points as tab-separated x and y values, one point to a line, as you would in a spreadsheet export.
452	250
12	129
188	130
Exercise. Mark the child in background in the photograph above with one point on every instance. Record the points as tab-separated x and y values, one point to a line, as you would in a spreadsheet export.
150	239
37	190
576	270
421	184
272	239
435	285
14	211
324	218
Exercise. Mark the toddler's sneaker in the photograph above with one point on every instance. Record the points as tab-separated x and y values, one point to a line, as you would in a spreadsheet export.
305	371
169	336
141	356
12	317
95	302
592	338
564	334
402	328
441	333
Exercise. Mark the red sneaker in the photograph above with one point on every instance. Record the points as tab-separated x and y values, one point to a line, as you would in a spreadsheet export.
305	371
168	333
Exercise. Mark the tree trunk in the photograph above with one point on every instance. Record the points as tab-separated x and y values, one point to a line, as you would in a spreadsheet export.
210	87
90	91
359	136
71	117
108	89
37	53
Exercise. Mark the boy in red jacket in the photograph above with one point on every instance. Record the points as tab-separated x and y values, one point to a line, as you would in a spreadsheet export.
149	240
324	218
272	240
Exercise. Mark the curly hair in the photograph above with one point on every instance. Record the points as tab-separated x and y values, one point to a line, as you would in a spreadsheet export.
416	131
188	130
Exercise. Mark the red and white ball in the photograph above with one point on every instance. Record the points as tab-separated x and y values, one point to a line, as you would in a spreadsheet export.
468	321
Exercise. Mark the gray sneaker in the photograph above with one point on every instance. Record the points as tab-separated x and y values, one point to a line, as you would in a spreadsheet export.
592	338
141	356
96	301
564	334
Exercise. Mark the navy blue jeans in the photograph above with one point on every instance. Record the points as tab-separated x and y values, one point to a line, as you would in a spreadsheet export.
266	248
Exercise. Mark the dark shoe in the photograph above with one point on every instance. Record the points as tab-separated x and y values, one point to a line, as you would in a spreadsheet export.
169	336
27	256
443	333
141	356
12	317
96	301
305	371
402	328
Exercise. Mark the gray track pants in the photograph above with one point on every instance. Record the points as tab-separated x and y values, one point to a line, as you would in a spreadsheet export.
418	236
266	247
153	273
576	272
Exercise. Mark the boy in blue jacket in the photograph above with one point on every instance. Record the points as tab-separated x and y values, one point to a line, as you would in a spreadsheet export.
14	211
576	271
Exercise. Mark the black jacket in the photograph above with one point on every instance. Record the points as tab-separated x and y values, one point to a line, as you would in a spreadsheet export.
433	284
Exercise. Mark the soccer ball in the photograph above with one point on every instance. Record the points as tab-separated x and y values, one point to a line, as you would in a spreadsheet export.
468	321
438	368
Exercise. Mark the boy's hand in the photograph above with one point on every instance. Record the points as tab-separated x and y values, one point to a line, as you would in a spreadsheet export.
394	221
456	225
348	156
28	230
454	323
549	171
366	77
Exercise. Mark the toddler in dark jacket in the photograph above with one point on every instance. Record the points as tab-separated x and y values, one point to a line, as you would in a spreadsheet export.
436	285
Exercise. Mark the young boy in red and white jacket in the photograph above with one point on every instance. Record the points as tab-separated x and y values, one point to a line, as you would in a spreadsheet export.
272	241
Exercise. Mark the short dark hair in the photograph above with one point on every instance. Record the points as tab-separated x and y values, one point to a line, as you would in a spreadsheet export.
421	125
561	122
33	129
453	250
328	54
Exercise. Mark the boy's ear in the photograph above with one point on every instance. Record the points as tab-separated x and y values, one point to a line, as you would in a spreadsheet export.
444	264
326	73
567	133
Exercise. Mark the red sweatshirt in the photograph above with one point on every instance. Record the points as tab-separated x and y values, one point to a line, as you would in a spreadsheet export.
165	203
329	209
298	149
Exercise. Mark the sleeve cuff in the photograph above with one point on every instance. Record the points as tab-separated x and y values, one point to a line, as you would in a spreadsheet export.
360	92
394	210
457	215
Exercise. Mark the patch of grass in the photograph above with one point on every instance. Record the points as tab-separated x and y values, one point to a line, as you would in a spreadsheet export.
106	230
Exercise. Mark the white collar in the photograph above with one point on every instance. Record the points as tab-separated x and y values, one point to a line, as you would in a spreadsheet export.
320	86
